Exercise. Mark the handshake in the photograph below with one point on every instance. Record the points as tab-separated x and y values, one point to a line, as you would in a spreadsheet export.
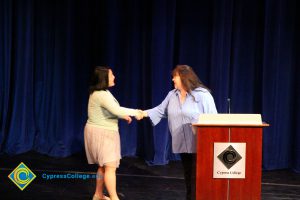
141	114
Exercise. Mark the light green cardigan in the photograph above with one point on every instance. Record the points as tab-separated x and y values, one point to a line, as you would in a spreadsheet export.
104	110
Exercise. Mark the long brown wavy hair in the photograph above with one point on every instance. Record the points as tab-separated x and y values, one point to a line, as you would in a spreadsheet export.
189	79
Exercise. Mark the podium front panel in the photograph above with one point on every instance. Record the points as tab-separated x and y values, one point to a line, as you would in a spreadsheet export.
208	187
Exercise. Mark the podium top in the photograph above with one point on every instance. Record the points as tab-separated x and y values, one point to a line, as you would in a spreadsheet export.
253	120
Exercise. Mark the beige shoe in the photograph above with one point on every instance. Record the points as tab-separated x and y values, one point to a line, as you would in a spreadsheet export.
96	197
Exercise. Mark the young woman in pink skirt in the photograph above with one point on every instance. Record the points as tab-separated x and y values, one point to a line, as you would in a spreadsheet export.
101	133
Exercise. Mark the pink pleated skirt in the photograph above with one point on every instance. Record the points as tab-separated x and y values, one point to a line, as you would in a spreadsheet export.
102	146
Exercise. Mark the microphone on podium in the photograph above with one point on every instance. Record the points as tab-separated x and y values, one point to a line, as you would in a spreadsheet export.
228	104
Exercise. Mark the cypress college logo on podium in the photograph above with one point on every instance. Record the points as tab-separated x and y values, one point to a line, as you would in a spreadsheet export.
229	160
22	176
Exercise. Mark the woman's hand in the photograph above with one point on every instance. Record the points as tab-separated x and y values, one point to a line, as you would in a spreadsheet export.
140	115
128	119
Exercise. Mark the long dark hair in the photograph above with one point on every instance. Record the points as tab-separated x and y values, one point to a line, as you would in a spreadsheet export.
189	79
99	79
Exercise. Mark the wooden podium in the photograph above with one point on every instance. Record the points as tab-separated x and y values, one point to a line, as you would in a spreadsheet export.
229	130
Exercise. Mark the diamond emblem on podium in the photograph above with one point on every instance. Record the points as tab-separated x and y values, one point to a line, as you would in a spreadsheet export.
229	157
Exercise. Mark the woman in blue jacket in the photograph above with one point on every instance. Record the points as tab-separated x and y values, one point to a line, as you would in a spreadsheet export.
182	107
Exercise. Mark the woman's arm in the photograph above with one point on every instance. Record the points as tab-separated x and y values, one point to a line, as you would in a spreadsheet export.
208	103
157	113
108	102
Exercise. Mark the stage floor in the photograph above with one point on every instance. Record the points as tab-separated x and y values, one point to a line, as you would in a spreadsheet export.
135	180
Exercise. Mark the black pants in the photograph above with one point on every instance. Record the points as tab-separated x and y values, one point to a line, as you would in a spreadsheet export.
189	166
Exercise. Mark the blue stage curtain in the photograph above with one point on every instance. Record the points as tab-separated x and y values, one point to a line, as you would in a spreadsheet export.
245	51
